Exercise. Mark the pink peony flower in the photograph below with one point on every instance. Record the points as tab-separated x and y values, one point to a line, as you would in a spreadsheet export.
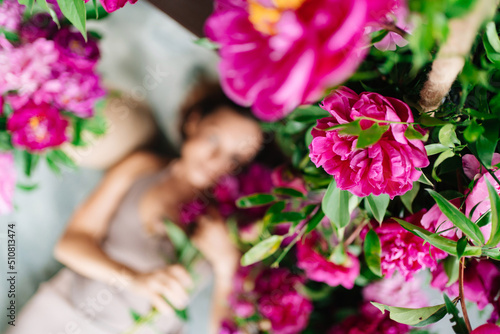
318	268
396	291
284	177
386	167
74	51
370	320
25	68
189	212
472	167
7	182
481	282
11	14
486	329
288	311
74	91
276	55
397	16
37	126
404	251
229	327
434	220
477	202
112	5
39	25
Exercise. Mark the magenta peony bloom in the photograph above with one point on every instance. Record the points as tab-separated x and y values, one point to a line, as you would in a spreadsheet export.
396	291
39	25
112	5
37	126
229	327
435	221
11	15
74	51
74	91
481	282
370	320
479	201
7	182
25	68
279	54
404	251
189	212
284	177
288	311
318	268
386	167
399	17
472	167
486	329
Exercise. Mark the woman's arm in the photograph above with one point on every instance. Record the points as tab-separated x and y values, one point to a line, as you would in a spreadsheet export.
213	240
79	247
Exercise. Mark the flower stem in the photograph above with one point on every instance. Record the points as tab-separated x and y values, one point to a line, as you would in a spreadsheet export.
461	294
355	233
394	28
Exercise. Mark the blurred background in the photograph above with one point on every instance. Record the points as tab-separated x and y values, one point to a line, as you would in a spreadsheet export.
149	58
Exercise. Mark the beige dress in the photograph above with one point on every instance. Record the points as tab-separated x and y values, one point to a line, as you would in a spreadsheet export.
72	304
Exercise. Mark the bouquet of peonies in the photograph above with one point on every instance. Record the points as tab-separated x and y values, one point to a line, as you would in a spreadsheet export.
388	111
49	90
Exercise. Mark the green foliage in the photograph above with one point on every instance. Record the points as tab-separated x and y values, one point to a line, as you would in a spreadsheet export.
335	205
457	321
75	11
255	200
373	252
414	317
378	206
495	223
262	250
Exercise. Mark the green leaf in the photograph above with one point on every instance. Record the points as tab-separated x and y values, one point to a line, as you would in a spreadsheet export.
484	220
207	43
473	132
58	156
412	133
491	44
444	244
493	253
135	315
458	218
352	129
335	205
371	135
486	143
459	326
315	220
75	12
9	35
288	192
255	200
308	114
339	255
414	317
433	149
442	157
495	207
451	265
262	250
30	162
378	205
410	196
461	244
287	217
43	4
27	187
427	120
373	252
424	179
27	3
447	136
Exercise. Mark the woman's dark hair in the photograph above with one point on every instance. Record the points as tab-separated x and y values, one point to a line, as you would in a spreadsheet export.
208	98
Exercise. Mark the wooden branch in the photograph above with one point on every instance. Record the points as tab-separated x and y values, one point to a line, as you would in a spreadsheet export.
451	56
191	14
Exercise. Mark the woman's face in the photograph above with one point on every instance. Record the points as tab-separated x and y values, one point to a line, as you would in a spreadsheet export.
218	144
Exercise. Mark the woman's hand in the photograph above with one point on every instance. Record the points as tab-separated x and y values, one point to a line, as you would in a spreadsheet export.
213	240
171	282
